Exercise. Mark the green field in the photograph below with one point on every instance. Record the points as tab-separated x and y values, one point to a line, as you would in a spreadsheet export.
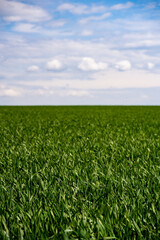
80	173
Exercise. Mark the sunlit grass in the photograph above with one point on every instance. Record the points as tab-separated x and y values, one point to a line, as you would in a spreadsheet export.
80	173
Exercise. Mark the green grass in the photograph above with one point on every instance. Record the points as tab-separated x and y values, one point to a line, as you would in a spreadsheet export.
80	173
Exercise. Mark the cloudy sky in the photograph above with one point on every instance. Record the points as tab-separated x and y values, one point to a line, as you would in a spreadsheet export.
79	52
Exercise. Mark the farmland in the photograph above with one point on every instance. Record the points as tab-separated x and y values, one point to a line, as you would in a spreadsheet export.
80	172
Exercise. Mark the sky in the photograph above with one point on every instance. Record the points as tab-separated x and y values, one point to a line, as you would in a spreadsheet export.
79	52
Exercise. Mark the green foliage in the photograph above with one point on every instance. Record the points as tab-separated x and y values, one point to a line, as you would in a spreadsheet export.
79	173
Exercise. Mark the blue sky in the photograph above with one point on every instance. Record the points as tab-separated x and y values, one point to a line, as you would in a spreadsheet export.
79	52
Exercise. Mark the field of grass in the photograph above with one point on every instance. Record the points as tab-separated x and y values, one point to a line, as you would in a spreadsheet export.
80	173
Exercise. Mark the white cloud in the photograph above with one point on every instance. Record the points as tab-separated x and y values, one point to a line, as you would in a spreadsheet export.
102	80
150	65
79	9
75	9
123	65
36	52
89	64
9	92
75	93
95	18
54	65
14	11
144	96
97	9
26	27
143	43
33	68
57	23
86	33
122	6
